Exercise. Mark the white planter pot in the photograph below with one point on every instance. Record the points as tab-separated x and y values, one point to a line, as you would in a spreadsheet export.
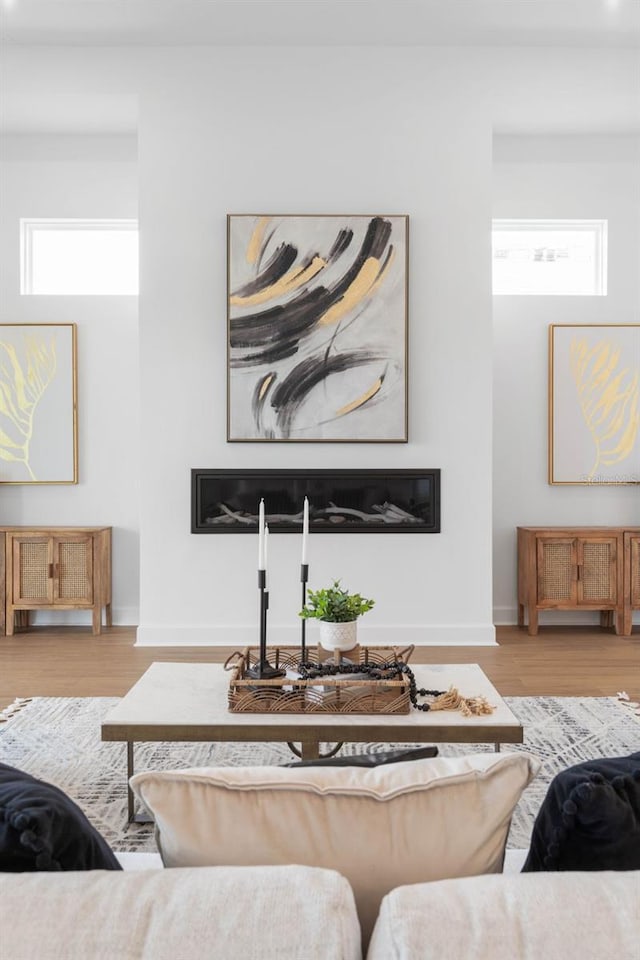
338	636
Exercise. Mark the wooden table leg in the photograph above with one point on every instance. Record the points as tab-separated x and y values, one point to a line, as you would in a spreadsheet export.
310	749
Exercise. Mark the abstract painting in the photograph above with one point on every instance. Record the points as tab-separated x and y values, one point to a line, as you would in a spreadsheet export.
317	328
594	403
38	431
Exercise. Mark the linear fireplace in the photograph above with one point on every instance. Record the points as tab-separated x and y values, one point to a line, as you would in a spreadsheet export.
340	501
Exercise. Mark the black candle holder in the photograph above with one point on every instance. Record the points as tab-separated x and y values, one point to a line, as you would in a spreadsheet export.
263	670
304	579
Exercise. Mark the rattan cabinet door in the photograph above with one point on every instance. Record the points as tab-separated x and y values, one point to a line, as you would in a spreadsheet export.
597	579
557	571
73	570
32	568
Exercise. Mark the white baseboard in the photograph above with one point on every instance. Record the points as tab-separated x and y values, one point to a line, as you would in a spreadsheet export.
445	635
508	616
122	617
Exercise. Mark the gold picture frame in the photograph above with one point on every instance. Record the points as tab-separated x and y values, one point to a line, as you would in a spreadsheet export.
317	328
38	403
594	404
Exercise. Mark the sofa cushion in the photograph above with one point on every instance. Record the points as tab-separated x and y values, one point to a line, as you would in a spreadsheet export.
239	913
41	828
512	917
590	818
379	827
375	758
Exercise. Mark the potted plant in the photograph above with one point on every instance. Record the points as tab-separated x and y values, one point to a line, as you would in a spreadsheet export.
338	612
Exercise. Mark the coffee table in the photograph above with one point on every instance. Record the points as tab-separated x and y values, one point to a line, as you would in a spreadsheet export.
188	702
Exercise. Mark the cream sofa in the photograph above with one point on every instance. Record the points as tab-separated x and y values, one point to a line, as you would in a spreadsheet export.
328	863
309	913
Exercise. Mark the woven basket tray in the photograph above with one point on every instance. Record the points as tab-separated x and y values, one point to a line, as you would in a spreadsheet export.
321	695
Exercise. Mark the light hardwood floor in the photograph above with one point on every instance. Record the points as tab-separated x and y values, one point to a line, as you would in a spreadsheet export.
565	661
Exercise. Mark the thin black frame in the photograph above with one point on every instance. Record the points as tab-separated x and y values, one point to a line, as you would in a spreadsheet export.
432	473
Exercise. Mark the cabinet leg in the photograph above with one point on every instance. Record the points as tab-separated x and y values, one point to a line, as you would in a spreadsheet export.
107	615
533	622
521	614
11	619
96	620
622	623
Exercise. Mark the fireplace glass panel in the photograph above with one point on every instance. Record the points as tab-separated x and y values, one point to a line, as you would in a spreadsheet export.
340	501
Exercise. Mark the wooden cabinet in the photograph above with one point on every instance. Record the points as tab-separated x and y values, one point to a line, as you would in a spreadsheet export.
56	568
631	577
579	568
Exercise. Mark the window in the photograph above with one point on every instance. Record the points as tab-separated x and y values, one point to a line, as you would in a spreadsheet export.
79	257
550	257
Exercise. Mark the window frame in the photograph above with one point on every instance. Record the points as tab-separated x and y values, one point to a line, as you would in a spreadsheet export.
599	227
29	225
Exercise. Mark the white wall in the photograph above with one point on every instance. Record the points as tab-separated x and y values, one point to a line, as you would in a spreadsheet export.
81	177
555	177
330	142
404	130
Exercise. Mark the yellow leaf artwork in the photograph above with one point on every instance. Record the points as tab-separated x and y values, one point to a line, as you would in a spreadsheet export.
22	386
609	398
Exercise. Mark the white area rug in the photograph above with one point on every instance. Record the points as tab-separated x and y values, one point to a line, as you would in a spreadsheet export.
58	739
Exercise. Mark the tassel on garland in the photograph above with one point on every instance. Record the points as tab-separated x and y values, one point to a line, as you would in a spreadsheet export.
468	706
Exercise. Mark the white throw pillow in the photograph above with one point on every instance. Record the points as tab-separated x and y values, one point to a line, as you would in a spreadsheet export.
380	827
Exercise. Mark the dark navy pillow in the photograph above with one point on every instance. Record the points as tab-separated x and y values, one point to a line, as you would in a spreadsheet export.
42	829
370	759
590	819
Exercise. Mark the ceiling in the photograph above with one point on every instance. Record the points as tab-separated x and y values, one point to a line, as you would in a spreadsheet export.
572	23
575	23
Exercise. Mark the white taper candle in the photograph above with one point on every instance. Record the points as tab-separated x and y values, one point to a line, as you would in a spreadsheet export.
261	538
305	530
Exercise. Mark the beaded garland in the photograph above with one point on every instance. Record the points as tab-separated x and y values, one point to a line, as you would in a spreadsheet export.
379	671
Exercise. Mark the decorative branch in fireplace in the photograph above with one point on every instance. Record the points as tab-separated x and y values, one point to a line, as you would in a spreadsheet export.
341	501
